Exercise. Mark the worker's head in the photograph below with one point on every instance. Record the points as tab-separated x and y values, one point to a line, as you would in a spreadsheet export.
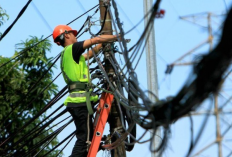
64	35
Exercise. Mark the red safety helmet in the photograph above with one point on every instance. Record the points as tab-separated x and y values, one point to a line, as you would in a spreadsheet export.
60	29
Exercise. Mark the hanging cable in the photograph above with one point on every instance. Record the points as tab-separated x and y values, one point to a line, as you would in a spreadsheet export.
32	88
71	135
30	102
49	137
28	48
19	15
36	116
28	136
103	23
57	57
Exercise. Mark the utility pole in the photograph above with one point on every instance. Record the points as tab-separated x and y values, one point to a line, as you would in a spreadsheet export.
114	120
151	66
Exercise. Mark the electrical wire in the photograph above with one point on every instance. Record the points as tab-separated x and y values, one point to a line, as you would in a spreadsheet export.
203	82
71	135
42	111
56	98
19	15
28	48
42	17
56	58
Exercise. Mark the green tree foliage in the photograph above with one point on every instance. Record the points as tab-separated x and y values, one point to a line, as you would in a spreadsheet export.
17	90
3	17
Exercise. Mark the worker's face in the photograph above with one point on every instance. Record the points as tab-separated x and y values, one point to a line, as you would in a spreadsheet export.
72	37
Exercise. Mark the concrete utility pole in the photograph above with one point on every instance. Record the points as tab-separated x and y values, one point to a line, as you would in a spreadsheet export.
151	64
114	119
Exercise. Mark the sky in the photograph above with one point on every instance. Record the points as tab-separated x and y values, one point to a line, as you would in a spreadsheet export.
173	38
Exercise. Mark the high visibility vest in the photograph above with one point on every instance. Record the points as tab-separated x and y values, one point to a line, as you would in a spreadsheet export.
75	73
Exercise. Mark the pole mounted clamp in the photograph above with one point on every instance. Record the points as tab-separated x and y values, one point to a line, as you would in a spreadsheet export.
106	2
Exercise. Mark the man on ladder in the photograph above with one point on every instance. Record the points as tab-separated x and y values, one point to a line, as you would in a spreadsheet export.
76	75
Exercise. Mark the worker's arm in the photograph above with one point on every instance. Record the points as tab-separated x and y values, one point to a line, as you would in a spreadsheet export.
96	49
98	40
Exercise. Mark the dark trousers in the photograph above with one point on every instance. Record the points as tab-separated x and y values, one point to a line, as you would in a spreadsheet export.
80	117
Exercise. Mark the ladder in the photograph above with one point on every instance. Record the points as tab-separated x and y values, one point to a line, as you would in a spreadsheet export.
102	113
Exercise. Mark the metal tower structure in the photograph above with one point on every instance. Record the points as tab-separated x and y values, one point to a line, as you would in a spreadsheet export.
221	109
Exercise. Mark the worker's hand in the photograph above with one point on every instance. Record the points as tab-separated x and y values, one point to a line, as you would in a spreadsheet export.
120	38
